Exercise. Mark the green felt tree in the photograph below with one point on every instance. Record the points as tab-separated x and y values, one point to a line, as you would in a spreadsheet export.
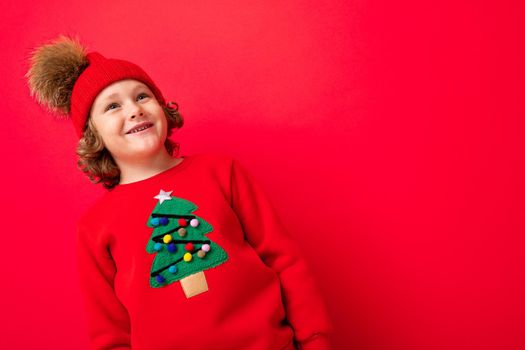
182	251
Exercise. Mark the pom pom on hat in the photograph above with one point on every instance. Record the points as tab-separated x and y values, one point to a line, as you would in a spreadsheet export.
54	69
66	79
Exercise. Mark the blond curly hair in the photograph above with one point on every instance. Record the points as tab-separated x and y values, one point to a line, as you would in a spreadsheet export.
98	164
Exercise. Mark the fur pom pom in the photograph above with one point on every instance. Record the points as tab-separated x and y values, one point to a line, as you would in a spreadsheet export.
54	69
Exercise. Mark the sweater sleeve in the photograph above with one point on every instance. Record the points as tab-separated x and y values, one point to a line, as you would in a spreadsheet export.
305	307
108	320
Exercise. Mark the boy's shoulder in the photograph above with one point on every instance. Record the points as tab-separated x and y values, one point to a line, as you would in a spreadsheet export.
214	159
92	213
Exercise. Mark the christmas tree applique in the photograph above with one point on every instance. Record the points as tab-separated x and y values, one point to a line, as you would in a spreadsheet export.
182	251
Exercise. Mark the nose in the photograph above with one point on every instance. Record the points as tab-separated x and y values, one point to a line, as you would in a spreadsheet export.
136	110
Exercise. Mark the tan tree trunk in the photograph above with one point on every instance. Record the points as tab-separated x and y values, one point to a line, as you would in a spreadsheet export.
194	284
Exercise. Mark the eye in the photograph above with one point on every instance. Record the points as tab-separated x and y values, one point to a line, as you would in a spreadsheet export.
142	94
109	106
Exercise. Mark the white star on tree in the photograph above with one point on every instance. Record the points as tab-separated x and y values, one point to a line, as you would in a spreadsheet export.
163	196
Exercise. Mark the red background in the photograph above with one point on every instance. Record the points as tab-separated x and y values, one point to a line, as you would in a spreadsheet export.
389	134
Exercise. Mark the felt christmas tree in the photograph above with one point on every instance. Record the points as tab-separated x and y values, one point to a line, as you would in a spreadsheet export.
182	251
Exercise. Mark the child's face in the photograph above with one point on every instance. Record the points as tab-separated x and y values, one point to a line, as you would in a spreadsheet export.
120	107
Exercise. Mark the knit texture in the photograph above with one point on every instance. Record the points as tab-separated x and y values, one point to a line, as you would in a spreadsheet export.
263	297
100	73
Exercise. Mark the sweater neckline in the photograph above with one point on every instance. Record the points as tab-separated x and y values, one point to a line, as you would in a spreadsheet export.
178	167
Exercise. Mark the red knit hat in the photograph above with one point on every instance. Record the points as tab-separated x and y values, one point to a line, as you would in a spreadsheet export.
100	73
66	79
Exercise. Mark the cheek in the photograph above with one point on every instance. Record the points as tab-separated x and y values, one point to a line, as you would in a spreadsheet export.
163	122
164	127
109	130
114	126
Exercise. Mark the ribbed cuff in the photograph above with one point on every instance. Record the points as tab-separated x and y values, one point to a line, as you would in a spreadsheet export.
317	342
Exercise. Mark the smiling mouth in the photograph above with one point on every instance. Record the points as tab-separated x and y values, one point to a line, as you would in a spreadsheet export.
142	128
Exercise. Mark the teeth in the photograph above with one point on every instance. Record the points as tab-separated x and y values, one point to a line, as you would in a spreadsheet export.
139	129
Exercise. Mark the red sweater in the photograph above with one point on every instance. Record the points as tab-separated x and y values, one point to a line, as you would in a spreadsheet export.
203	264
